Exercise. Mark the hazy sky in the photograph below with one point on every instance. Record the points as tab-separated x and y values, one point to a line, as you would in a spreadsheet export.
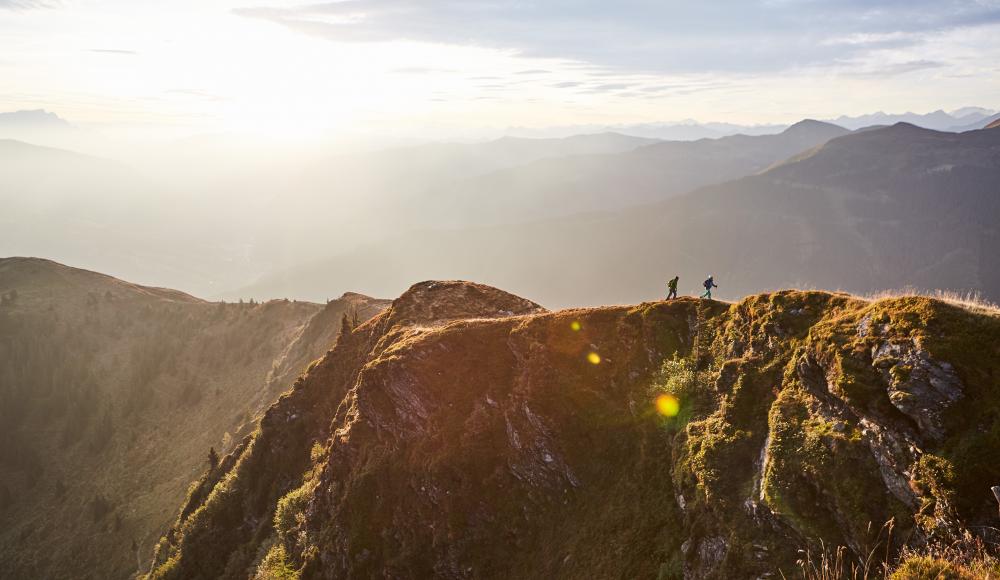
375	65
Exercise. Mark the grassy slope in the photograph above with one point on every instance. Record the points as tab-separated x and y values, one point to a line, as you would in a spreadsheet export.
112	394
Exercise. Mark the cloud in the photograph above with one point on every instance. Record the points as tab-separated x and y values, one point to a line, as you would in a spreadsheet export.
655	36
24	4
896	69
113	51
196	95
606	88
420	70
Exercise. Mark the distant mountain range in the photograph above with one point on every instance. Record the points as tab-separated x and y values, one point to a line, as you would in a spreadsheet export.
967	119
877	209
560	186
394	174
687	130
964	119
251	232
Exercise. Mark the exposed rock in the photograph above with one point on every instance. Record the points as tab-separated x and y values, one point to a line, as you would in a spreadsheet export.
918	386
710	553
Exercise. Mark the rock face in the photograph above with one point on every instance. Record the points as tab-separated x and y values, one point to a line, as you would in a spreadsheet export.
467	433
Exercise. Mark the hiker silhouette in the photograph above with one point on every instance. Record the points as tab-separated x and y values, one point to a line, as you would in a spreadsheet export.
708	284
672	287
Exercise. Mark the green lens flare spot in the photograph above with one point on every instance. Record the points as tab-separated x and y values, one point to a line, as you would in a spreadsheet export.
667	405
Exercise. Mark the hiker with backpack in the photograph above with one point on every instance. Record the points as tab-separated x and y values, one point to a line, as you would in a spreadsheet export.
672	287
709	284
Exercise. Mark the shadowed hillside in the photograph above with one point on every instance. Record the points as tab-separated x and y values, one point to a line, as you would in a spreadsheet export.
111	395
467	433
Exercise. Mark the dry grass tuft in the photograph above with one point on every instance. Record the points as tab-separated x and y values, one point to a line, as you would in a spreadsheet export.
840	564
971	301
967	558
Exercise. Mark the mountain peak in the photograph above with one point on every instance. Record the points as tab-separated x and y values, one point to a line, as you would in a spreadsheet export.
33	118
434	302
904	128
811	126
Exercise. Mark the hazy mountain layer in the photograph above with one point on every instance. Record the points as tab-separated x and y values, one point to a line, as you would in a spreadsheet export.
878	209
386	177
963	119
466	433
210	219
109	217
967	118
111	395
576	184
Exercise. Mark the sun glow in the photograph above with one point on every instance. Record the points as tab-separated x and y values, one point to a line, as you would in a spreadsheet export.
667	405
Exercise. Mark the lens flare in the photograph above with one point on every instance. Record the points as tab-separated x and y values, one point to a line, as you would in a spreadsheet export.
594	358
667	405
576	326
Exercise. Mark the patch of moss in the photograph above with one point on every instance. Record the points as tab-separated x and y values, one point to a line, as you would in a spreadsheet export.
822	479
720	456
934	477
930	568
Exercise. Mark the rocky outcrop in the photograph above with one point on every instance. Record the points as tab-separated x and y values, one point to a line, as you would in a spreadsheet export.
919	386
467	433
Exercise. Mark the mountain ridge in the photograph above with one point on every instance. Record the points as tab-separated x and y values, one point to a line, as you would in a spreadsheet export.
540	452
24	266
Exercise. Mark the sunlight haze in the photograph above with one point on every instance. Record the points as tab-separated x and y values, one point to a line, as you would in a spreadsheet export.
499	289
469	70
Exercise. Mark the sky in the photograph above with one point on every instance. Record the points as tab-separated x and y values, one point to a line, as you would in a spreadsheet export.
358	67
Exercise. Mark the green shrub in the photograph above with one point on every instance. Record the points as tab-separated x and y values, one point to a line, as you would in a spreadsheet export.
290	512
692	388
275	566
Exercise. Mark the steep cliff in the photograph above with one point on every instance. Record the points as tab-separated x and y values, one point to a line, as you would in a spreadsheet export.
467	433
